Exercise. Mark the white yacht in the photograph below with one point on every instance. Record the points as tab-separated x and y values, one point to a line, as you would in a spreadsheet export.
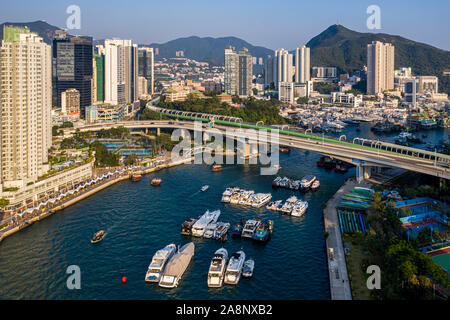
177	266
261	199
199	228
250	227
307	181
226	195
273	205
249	266
235	197
244	199
288	205
158	263
204	188
209	231
234	268
217	268
299	208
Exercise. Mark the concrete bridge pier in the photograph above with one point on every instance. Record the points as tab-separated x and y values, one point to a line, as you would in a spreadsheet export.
158	132
247	150
363	173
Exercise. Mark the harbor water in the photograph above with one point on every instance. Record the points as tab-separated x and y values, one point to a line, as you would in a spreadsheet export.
140	219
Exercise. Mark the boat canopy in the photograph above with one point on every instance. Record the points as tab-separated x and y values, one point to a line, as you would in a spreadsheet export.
177	265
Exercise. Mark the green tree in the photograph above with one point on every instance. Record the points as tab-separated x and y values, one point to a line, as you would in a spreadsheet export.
3	203
131	159
303	100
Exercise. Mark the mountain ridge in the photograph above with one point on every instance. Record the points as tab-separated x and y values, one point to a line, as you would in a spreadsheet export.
347	50
207	48
336	46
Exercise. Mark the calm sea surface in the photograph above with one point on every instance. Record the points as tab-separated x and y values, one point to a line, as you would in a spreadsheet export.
140	219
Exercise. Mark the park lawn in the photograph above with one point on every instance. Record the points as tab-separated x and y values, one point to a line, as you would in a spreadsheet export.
357	277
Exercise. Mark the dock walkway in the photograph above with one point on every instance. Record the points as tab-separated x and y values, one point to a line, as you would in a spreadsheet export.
337	267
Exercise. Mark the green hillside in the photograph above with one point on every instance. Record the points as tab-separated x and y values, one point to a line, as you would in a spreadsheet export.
347	50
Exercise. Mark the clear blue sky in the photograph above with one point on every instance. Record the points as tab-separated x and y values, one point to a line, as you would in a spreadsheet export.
273	24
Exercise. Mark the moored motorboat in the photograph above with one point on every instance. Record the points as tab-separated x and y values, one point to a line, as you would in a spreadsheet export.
216	273
186	227
250	227
156	182
209	231
273	205
288	205
237	229
262	232
199	227
261	199
216	168
221	231
98	236
234	268
306	182
158	263
249	266
176	266
136	177
315	185
299	208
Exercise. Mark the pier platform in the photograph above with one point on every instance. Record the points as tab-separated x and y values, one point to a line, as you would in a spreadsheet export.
337	267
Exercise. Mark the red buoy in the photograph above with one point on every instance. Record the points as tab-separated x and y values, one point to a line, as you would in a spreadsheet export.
124	279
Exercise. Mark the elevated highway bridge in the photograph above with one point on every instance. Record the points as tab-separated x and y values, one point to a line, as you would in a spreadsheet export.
361	152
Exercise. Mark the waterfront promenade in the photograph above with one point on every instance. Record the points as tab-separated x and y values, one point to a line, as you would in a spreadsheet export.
337	267
28	219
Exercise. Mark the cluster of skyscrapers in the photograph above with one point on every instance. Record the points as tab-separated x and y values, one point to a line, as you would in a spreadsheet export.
70	74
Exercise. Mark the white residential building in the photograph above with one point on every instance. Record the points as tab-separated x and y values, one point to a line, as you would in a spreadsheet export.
380	67
346	99
25	104
283	69
302	64
121	71
286	92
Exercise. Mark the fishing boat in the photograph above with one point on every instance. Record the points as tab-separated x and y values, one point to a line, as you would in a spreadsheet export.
221	230
136	177
176	266
299	208
237	229
216	273
234	268
98	236
249	266
186	227
204	188
199	227
158	263
156	182
262	232
315	185
250	227
216	168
